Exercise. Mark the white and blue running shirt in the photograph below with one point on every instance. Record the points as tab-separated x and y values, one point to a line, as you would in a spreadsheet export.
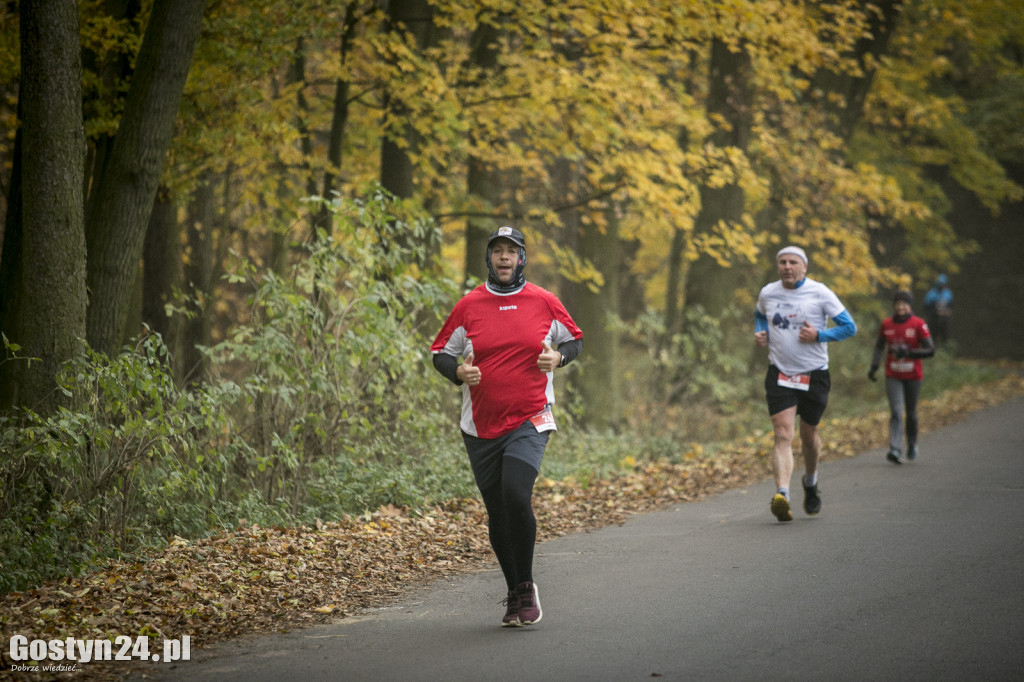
782	312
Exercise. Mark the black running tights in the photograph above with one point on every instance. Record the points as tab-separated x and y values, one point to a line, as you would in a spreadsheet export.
511	525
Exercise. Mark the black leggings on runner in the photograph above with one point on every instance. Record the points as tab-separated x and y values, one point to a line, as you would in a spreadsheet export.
511	525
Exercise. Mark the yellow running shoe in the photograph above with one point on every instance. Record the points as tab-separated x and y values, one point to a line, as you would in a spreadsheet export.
780	507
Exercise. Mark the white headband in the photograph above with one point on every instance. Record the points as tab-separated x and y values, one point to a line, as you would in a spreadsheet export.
795	250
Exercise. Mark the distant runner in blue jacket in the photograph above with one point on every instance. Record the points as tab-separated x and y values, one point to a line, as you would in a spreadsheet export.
791	319
938	309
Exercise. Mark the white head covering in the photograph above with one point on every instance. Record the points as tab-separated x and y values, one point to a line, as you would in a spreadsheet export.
795	250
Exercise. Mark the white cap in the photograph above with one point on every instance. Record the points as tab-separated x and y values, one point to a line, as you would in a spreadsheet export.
795	250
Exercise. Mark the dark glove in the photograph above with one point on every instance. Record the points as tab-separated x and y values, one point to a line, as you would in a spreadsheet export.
871	373
901	352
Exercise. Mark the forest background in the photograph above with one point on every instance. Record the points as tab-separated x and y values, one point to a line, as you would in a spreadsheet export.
230	231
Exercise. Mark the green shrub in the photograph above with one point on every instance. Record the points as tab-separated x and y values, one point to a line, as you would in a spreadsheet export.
76	485
324	403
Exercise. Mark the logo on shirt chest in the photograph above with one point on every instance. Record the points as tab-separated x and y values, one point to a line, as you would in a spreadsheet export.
786	316
507	307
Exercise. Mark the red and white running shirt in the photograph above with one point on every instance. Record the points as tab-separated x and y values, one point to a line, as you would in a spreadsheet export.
505	333
907	334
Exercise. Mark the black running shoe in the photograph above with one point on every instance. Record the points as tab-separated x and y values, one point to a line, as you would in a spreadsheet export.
912	452
812	501
893	457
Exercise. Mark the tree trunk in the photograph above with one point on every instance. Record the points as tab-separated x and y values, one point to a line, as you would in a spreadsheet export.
482	181
161	269
47	317
199	280
339	120
852	91
841	96
10	255
298	76
109	96
119	214
675	295
678	267
396	171
280	237
401	141
711	283
565	178
601	379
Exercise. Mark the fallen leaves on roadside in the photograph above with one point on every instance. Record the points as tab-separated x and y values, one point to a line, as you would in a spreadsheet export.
256	579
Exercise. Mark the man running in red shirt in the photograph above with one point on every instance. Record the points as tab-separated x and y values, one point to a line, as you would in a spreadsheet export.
511	335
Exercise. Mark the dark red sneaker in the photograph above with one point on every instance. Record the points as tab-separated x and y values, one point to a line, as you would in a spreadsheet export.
511	618
529	603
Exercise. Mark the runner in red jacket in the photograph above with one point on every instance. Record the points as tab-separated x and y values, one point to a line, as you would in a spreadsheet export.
511	336
908	341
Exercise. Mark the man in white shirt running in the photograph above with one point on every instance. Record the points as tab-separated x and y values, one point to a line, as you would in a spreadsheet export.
791	319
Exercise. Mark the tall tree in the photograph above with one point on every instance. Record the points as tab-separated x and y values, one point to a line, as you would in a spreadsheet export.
119	213
199	227
47	314
411	18
107	71
846	91
340	113
711	282
161	270
483	180
601	380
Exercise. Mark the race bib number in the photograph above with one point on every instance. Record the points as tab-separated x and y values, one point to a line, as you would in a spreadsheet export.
902	365
801	382
545	421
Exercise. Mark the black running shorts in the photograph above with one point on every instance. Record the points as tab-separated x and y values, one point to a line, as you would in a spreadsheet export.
485	454
810	404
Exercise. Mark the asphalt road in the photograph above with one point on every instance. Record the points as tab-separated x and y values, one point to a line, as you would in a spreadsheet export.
911	572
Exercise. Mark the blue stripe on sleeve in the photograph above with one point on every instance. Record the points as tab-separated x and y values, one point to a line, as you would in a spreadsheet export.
760	321
844	329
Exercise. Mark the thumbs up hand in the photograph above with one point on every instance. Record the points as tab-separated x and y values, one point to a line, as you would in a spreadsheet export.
548	359
467	372
808	334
